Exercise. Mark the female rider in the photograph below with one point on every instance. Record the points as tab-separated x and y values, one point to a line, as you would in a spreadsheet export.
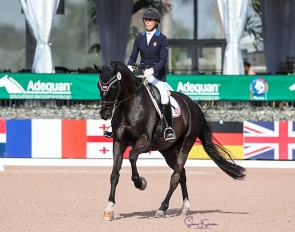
153	48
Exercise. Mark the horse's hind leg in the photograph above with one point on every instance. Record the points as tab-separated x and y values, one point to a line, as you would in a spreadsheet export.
171	161
178	173
185	204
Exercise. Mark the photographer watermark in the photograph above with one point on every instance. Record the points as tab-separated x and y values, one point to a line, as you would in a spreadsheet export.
201	225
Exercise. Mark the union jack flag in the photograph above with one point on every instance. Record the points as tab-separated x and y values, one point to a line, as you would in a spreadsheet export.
269	140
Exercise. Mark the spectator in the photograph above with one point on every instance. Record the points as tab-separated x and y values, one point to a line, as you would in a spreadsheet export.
247	68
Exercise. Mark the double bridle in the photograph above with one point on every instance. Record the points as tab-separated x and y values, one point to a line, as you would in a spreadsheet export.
105	87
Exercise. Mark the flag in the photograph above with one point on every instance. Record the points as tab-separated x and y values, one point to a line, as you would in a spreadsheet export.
2	137
229	134
269	140
45	138
98	146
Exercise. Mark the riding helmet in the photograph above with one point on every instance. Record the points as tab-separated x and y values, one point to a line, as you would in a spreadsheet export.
152	13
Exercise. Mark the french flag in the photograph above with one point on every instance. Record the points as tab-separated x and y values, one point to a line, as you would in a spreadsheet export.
45	138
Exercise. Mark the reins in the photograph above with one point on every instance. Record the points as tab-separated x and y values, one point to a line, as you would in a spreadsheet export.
116	104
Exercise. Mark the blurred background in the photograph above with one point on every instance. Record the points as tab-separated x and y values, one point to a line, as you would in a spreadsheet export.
196	37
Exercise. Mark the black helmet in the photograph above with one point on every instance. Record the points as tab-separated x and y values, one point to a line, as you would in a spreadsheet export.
152	13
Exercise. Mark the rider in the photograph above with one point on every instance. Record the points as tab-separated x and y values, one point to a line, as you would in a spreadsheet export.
153	48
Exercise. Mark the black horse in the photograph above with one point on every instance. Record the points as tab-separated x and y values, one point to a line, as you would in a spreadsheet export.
136	123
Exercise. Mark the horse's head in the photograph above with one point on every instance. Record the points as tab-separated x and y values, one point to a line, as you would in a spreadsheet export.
109	87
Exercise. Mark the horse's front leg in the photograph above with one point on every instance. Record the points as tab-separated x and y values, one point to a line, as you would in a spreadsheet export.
139	181
114	179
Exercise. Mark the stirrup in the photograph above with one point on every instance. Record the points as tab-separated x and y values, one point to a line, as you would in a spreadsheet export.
108	134
169	136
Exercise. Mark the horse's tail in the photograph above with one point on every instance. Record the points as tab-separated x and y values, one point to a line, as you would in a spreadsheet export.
219	154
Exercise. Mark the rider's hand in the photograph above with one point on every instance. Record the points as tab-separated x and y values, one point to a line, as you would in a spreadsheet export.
148	72
130	68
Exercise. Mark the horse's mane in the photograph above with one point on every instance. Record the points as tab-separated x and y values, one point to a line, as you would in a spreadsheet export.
111	70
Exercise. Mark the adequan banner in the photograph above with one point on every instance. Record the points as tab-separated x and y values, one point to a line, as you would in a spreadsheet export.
49	86
235	88
197	87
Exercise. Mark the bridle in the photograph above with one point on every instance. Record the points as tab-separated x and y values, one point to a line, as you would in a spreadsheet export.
105	87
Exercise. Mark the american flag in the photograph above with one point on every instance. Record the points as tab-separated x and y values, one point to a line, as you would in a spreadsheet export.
269	140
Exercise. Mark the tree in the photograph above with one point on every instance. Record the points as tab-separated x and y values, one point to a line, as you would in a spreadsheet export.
254	24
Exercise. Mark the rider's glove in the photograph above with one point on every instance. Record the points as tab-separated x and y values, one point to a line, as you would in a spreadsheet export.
131	68
148	72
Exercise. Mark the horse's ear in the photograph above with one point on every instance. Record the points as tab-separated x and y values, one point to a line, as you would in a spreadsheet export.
99	69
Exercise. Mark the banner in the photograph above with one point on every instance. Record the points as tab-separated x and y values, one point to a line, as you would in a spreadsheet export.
49	86
197	87
83	139
58	138
235	88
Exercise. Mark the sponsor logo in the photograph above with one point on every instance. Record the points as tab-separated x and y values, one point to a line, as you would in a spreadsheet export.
200	91
36	90
258	89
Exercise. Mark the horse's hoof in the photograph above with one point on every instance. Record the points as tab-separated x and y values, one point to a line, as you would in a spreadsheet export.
143	184
160	214
108	215
185	207
185	212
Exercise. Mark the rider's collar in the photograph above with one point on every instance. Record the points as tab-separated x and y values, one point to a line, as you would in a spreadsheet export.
157	33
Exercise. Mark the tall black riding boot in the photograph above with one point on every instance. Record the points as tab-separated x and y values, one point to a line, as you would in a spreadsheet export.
169	134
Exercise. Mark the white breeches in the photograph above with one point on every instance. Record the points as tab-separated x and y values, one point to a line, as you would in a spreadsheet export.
161	87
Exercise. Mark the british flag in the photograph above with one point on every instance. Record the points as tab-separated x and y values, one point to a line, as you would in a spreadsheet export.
269	140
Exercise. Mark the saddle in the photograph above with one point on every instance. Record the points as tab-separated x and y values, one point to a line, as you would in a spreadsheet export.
156	99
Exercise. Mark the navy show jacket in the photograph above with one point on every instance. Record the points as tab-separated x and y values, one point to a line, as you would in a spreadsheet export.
154	55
